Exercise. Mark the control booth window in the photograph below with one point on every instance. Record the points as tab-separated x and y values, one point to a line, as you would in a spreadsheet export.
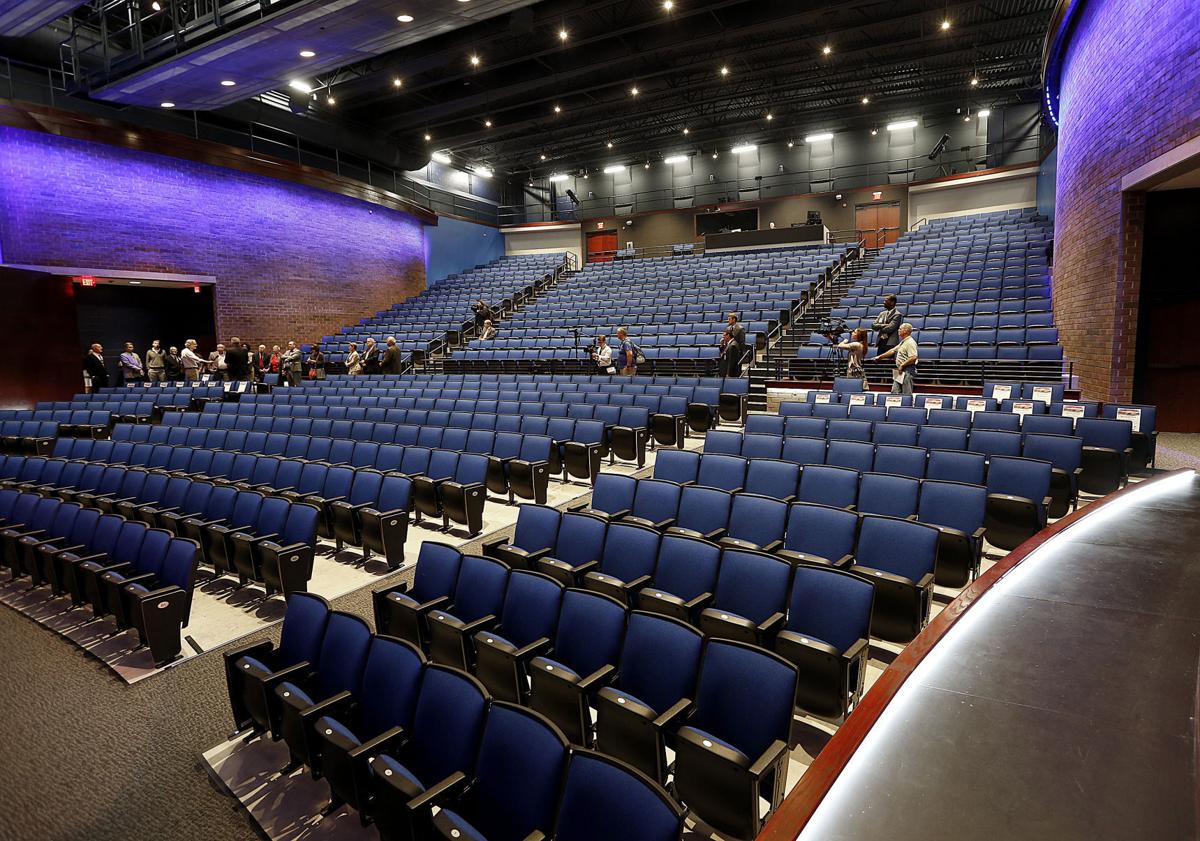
726	222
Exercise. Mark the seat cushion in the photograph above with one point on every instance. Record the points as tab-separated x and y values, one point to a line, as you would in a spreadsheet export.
390	766
331	728
711	738
544	663
464	827
250	664
293	695
629	697
137	588
403	598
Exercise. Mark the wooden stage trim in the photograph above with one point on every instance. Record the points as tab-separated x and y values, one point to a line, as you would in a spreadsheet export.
800	805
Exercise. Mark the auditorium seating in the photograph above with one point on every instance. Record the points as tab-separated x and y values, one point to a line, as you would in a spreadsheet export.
421	323
765	289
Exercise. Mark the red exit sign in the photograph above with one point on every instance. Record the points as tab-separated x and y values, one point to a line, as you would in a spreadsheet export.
87	280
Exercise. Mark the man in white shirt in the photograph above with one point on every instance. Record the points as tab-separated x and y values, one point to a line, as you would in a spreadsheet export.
602	356
192	363
906	359
216	363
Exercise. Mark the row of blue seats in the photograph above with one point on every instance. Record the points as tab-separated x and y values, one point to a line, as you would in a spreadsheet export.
237	531
965	320
954	352
143	577
525	634
421	749
1066	455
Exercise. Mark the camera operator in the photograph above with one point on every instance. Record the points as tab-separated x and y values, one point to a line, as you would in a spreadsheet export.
856	349
602	356
482	313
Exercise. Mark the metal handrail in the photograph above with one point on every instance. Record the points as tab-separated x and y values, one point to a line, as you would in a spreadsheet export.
924	220
905	170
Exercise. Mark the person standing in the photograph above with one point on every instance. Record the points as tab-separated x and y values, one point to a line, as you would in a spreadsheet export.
154	362
262	363
172	365
94	367
887	325
391	358
293	364
370	358
132	370
192	363
216	365
733	346
906	360
626	353
856	349
603	356
316	363
275	364
237	360
354	365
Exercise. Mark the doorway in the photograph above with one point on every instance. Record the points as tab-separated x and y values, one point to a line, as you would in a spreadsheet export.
878	224
600	246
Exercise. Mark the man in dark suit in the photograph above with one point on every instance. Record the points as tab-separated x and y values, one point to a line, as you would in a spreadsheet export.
733	347
93	366
262	363
370	358
237	360
391	357
887	326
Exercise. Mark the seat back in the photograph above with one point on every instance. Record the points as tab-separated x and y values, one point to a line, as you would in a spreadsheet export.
900	547
1105	433
836	486
678	466
613	492
830	605
580	538
956	466
888	494
629	551
773	478
660	660
1024	477
437	572
900	460
343	654
604	798
821	530
729	443
303	629
447	724
953	504
722	471
480	588
758	519
591	627
703	509
537	527
736	677
531	605
687	567
656	500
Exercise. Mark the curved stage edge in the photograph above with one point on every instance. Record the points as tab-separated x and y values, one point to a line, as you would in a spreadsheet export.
1063	706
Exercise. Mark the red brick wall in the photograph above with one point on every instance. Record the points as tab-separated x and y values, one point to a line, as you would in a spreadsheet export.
1129	92
291	262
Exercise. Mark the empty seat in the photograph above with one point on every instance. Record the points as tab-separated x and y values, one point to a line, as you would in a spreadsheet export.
1065	453
1018	493
956	466
750	597
898	557
1107	446
888	494
957	510
400	609
836	486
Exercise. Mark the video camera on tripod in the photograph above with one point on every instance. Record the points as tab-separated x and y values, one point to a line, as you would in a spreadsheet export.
833	329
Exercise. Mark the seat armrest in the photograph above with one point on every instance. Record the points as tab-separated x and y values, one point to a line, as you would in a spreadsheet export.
698	603
439	792
771	624
603	675
772	755
333	706
296	672
772	546
675	714
534	649
978	534
857	648
384	742
871	574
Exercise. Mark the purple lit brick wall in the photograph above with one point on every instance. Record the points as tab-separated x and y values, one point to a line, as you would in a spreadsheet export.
1130	87
291	262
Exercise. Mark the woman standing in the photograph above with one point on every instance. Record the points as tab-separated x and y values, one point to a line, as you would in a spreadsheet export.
857	348
316	363
354	366
131	365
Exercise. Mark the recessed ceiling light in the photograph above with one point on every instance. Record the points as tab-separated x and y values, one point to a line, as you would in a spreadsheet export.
647	166
474	61
874	132
404	18
557	109
563	35
487	123
687	131
609	144
724	71
866	99
156	6
543	157
168	105
826	50
331	100
428	138
440	157
634	91
398	82
945	25
791	143
228	83
770	116
307	54
668	5
714	156
974	81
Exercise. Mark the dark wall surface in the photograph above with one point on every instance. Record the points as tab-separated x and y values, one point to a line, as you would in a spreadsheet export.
42	356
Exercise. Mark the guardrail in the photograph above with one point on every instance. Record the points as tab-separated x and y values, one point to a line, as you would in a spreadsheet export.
905	170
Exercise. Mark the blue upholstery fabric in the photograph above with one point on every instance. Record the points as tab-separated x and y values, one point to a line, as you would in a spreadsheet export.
659	660
447	725
821	530
602	802
897	546
751	585
480	588
530	607
436	573
831	606
343	655
590	632
390	686
738	678
537	527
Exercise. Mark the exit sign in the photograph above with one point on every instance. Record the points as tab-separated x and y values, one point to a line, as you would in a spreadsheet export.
87	280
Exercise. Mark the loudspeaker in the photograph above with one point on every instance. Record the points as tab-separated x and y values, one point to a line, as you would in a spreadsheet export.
299	101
